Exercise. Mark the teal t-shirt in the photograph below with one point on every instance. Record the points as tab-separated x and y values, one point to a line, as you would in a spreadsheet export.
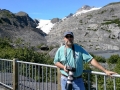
67	59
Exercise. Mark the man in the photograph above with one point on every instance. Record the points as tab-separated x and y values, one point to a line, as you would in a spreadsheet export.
73	55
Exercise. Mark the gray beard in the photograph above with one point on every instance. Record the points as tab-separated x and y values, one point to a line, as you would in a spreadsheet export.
69	43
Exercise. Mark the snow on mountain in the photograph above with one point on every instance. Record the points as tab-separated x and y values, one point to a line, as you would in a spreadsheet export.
45	25
85	9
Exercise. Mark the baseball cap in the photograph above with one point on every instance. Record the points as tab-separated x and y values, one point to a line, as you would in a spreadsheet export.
66	33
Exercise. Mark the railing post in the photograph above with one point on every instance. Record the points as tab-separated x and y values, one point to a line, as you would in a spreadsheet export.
58	79
15	74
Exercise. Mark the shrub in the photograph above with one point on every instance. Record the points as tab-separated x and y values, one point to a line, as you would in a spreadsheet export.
113	59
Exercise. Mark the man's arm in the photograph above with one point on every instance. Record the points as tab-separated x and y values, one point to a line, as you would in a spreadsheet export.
97	65
58	64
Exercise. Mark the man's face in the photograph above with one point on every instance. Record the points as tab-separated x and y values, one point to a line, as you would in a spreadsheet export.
68	39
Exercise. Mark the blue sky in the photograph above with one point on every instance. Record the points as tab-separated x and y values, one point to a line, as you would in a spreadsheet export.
48	9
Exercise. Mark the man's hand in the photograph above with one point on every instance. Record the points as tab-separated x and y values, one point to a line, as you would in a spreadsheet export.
65	69
58	64
109	73
97	65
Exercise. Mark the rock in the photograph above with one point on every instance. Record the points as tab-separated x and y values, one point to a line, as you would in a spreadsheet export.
21	13
21	27
54	20
44	47
36	21
52	52
95	30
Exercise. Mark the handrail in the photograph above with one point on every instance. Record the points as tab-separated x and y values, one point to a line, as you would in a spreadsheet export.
37	64
4	85
6	59
100	73
32	70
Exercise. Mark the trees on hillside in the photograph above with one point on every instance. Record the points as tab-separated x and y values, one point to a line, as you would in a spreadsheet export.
29	55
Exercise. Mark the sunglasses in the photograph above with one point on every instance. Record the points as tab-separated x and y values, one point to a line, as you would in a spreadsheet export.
69	36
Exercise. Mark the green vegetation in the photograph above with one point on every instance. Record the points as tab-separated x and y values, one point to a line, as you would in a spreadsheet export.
117	69
6	13
39	46
116	21
102	12
85	76
106	30
24	54
1	21
114	16
112	10
81	21
109	31
88	28
113	59
112	36
92	29
89	16
29	55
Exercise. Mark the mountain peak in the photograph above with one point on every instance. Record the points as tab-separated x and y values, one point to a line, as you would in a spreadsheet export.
21	13
84	9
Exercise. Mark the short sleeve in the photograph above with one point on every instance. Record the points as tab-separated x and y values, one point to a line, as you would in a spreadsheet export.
86	56
57	58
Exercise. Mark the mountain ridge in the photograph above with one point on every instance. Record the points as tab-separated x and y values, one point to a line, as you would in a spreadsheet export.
94	30
46	25
20	26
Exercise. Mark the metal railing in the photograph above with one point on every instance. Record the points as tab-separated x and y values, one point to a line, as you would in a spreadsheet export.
34	76
104	77
20	75
6	73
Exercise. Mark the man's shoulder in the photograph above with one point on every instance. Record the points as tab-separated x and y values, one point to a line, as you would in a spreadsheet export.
77	46
61	47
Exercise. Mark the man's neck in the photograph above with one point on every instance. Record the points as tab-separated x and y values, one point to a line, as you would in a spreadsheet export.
69	46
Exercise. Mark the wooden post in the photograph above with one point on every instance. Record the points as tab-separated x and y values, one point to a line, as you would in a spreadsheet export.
58	79
15	74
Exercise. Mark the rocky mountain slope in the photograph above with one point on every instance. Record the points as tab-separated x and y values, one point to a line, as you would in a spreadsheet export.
95	30
21	27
